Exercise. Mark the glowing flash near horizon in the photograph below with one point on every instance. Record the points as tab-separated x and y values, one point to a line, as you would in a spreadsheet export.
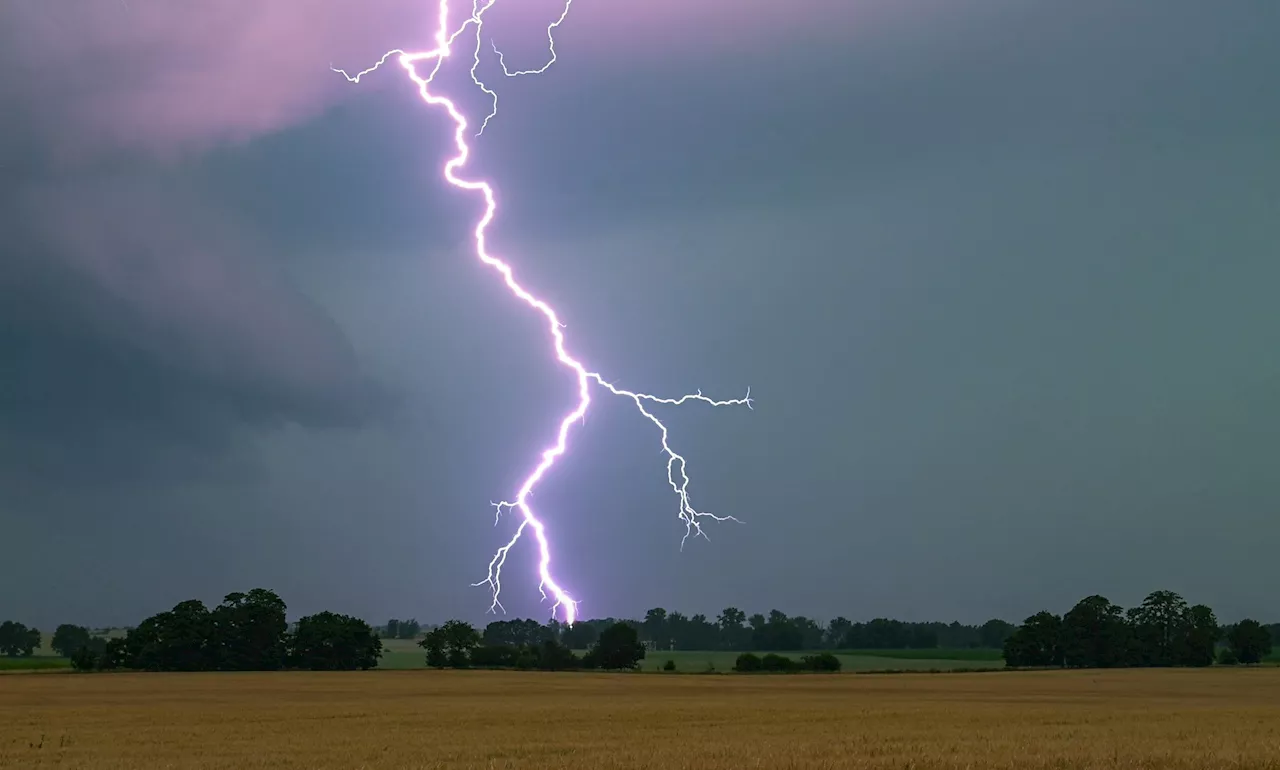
677	476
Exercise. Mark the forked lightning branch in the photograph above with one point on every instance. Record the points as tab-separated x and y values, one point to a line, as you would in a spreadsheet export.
422	67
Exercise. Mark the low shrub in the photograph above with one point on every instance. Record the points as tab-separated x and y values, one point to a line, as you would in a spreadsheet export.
823	661
748	662
775	662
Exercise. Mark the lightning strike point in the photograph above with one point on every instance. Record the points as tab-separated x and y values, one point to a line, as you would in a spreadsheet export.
691	517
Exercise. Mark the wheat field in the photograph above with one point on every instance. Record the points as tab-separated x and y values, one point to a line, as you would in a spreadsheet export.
446	719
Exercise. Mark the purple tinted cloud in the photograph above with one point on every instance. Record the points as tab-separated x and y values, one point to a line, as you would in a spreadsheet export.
158	269
102	259
168	77
137	262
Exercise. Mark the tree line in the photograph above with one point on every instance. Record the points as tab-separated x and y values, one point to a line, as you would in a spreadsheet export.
733	630
1163	631
612	643
249	631
246	632
615	645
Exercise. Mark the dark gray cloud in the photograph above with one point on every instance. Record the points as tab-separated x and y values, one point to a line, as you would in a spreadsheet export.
147	327
997	274
136	320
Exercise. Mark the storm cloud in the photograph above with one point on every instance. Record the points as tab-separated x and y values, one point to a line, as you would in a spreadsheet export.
142	318
997	274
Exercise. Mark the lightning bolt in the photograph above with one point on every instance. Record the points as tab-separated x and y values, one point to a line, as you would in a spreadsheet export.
677	475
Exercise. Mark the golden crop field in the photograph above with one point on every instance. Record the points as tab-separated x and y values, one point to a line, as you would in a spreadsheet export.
446	719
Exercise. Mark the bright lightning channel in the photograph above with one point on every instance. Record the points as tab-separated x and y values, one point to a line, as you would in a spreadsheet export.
676	465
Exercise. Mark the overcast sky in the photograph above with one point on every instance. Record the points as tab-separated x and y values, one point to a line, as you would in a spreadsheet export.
1001	277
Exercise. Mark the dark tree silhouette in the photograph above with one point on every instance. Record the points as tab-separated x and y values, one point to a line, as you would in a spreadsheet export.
994	632
69	639
18	641
1160	628
1095	634
1038	642
618	647
328	641
1249	641
450	645
250	632
1203	633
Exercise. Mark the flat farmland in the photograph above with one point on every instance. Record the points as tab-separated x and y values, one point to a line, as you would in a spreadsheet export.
489	719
